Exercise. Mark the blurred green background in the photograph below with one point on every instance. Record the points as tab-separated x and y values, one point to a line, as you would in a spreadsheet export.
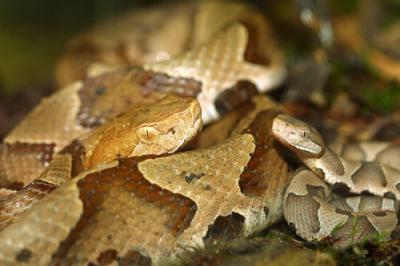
34	33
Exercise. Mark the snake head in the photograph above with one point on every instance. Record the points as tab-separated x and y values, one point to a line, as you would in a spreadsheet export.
150	129
175	121
297	136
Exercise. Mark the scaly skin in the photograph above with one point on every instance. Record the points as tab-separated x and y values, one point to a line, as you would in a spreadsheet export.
175	120
309	204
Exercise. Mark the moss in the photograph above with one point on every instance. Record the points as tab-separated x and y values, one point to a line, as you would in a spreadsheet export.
385	100
354	76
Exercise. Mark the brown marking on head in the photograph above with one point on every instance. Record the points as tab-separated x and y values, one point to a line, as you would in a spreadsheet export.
298	136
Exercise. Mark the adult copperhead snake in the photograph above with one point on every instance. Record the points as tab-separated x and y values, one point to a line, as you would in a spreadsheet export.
105	214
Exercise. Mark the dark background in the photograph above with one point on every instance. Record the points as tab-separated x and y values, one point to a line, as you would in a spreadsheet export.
33	33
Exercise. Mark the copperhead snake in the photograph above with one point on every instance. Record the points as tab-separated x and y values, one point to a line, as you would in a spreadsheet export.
311	207
92	176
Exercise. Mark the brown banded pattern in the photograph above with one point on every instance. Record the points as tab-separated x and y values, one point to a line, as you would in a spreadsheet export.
315	211
120	208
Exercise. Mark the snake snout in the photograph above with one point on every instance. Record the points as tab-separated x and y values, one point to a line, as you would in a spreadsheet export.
297	135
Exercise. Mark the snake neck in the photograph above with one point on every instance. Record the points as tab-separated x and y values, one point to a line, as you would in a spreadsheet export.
327	164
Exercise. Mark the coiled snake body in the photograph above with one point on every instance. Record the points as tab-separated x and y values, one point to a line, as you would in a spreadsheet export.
358	171
92	176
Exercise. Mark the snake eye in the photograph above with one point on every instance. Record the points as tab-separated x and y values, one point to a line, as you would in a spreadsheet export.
148	134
